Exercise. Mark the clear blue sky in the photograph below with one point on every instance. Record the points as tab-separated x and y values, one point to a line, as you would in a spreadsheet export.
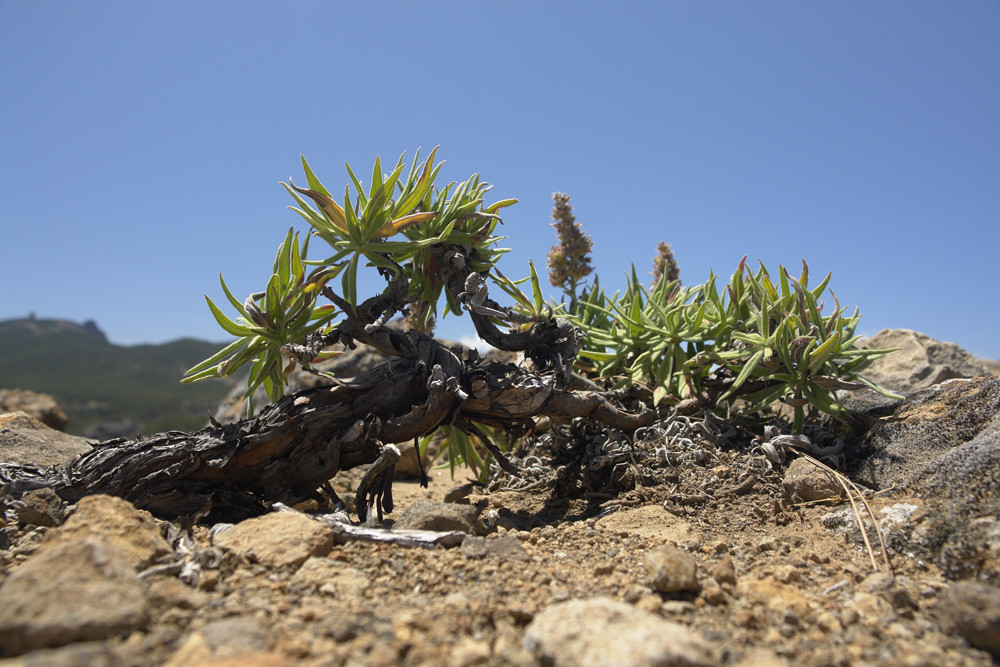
141	143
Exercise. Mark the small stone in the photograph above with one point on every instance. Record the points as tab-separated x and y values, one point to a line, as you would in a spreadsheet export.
504	548
441	517
714	595
235	635
787	574
41	507
828	623
601	631
469	653
677	607
806	481
603	569
775	596
474	547
743	617
650	603
231	642
724	571
329	577
669	569
80	590
971	610
767	544
170	593
279	539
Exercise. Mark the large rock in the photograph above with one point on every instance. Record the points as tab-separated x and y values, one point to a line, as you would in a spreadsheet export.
26	440
81	590
40	406
134	531
432	515
942	445
279	539
972	610
919	362
605	632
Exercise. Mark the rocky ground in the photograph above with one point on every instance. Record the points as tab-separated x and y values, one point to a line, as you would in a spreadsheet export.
671	549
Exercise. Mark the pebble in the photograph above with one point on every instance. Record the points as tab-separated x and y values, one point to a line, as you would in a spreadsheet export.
805	481
670	570
724	571
41	507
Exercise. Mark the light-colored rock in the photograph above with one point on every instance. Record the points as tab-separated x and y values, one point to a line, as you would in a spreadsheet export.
78	590
603	633
670	570
116	520
920	361
775	597
26	440
991	365
329	577
40	406
504	548
172	593
648	521
805	481
442	517
83	654
237	640
972	610
279	539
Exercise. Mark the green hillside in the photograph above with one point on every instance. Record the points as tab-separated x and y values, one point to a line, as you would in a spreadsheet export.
96	382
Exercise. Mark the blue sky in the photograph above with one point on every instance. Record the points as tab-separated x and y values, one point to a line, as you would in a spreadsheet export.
141	144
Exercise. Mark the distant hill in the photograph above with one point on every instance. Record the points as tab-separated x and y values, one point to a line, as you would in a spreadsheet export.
108	390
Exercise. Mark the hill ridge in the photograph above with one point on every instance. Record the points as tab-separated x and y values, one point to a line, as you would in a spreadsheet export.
108	390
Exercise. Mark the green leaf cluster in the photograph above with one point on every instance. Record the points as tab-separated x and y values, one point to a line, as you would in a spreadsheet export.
678	340
419	217
413	207
285	312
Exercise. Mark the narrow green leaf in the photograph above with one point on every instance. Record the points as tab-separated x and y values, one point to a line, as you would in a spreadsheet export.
215	359
227	325
536	289
236	303
314	183
748	368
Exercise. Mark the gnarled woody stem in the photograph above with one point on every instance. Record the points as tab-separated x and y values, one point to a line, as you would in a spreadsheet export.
293	447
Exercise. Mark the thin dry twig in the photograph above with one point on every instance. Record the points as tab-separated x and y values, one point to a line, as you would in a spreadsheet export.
852	491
